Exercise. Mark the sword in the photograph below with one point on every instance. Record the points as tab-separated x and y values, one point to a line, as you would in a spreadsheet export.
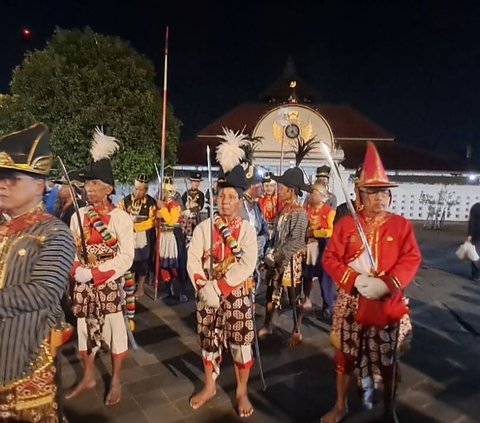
257	344
210	211
76	208
350	207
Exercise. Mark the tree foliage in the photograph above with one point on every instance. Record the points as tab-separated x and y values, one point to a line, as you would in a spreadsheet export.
82	79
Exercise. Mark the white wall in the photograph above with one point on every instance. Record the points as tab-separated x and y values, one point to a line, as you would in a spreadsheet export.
405	201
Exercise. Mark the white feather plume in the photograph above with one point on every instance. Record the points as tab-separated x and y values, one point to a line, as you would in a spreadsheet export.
230	152
103	146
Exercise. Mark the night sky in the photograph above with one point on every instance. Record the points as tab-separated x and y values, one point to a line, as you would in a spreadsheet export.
412	67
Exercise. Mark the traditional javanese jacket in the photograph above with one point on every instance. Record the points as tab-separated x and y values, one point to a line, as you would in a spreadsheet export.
36	254
235	272
194	195
289	234
393	245
170	215
143	211
320	220
107	265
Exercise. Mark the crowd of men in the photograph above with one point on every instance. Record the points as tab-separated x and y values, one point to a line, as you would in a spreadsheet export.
101	258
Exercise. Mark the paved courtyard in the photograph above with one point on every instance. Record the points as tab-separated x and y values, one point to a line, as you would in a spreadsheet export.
440	374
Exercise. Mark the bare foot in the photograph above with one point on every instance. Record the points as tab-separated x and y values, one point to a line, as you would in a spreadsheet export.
295	339
114	394
200	399
264	331
140	292
84	385
307	304
335	415
244	406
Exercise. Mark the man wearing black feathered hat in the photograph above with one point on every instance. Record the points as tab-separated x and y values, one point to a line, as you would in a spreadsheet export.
222	278
288	248
38	252
104	285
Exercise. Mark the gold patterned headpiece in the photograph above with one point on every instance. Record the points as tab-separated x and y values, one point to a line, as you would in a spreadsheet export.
27	150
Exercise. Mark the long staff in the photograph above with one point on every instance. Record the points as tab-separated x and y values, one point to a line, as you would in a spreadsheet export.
162	161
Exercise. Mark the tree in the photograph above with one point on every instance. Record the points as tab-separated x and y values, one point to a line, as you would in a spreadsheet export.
82	79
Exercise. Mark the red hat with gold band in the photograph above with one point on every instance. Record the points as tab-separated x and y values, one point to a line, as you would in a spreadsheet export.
373	173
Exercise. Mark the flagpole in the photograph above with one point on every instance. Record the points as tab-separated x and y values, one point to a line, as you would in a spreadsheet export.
162	157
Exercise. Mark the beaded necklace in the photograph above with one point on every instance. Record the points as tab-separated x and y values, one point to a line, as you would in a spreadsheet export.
100	226
111	241
226	234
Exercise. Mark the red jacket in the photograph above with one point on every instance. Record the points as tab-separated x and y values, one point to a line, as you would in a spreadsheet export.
393	245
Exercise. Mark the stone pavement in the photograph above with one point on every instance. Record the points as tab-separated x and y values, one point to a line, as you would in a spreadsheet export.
440	374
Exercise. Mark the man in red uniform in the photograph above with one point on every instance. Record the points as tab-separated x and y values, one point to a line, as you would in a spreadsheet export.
370	303
268	201
320	228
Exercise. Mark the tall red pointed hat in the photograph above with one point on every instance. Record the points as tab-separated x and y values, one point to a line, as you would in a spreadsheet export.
373	173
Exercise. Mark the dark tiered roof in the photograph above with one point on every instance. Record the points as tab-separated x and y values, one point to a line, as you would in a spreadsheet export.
280	91
346	124
350	130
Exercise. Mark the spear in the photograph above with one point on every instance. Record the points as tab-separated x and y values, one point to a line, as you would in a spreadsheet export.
162	157
164	108
76	208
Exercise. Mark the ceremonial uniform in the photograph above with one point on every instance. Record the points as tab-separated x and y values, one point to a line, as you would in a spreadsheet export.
231	325
170	217
370	321
395	250
104	285
142	212
288	244
320	224
98	306
221	260
36	253
268	202
268	205
193	199
322	176
285	258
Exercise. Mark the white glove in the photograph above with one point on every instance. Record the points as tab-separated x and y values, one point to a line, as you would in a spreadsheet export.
210	294
371	287
83	274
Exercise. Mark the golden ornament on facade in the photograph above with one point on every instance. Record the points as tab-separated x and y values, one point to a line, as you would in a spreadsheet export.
281	132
